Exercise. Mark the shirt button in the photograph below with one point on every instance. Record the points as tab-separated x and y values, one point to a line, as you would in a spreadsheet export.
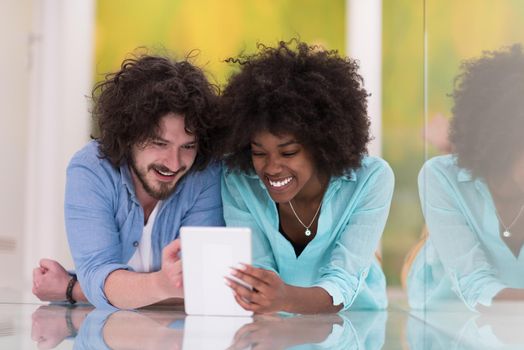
135	244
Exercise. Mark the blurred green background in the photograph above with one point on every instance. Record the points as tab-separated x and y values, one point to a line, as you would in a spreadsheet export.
454	30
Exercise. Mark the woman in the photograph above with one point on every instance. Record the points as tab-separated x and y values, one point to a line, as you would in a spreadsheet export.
473	200
297	175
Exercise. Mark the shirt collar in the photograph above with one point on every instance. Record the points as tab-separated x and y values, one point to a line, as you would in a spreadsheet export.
464	175
125	176
350	175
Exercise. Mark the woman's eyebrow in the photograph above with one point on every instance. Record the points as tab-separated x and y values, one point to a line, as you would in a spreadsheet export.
284	144
287	143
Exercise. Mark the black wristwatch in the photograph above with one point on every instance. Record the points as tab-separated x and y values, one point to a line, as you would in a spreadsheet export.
69	290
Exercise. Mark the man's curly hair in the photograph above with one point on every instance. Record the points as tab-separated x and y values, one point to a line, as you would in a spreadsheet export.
312	94
129	104
487	127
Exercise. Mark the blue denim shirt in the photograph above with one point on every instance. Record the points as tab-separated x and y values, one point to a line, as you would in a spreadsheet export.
104	219
340	259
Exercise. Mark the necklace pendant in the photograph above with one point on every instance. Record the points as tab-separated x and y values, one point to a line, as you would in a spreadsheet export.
506	233
307	232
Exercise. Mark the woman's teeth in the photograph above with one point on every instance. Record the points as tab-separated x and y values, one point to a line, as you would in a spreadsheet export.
280	183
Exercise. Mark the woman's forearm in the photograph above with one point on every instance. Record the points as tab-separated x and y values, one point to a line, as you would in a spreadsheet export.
510	294
311	300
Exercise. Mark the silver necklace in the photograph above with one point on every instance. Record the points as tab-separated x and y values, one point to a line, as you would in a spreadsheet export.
307	232
507	232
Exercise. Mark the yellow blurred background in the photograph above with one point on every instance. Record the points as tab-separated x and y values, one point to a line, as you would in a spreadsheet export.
217	29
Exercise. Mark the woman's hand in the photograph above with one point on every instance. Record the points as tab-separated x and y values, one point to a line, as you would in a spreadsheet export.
277	332
269	293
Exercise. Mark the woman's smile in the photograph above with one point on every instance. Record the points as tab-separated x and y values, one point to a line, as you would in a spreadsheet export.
279	184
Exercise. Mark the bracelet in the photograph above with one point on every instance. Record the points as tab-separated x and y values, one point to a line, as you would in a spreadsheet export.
69	290
69	322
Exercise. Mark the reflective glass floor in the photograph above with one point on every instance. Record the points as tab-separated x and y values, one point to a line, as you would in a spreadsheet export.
42	326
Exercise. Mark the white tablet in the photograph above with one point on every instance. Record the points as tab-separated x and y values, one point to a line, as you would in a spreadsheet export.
208	253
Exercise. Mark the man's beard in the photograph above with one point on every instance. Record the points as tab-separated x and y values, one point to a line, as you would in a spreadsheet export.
164	190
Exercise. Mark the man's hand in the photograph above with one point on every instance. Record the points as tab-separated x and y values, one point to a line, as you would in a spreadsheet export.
171	271
269	293
130	290
50	281
49	326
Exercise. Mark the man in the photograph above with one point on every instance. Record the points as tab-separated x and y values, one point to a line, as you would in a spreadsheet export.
129	191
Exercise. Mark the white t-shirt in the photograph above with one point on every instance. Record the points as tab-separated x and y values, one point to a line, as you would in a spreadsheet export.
142	260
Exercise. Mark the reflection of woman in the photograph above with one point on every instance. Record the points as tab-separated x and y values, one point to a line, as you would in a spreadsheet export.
354	330
473	200
299	177
280	332
449	329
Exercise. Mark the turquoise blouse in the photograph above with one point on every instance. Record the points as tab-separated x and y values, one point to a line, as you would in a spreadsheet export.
340	259
464	257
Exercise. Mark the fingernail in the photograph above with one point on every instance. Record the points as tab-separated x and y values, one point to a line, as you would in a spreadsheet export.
227	282
233	272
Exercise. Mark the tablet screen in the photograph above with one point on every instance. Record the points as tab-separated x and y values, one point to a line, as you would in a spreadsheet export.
208	253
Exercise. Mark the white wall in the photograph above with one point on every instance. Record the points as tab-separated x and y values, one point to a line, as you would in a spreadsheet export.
46	74
364	43
15	24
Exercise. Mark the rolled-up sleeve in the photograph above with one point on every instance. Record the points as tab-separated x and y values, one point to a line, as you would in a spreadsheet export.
350	261
91	333
92	232
459	249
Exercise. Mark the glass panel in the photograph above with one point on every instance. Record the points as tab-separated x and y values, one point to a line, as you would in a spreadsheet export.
403	145
472	183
